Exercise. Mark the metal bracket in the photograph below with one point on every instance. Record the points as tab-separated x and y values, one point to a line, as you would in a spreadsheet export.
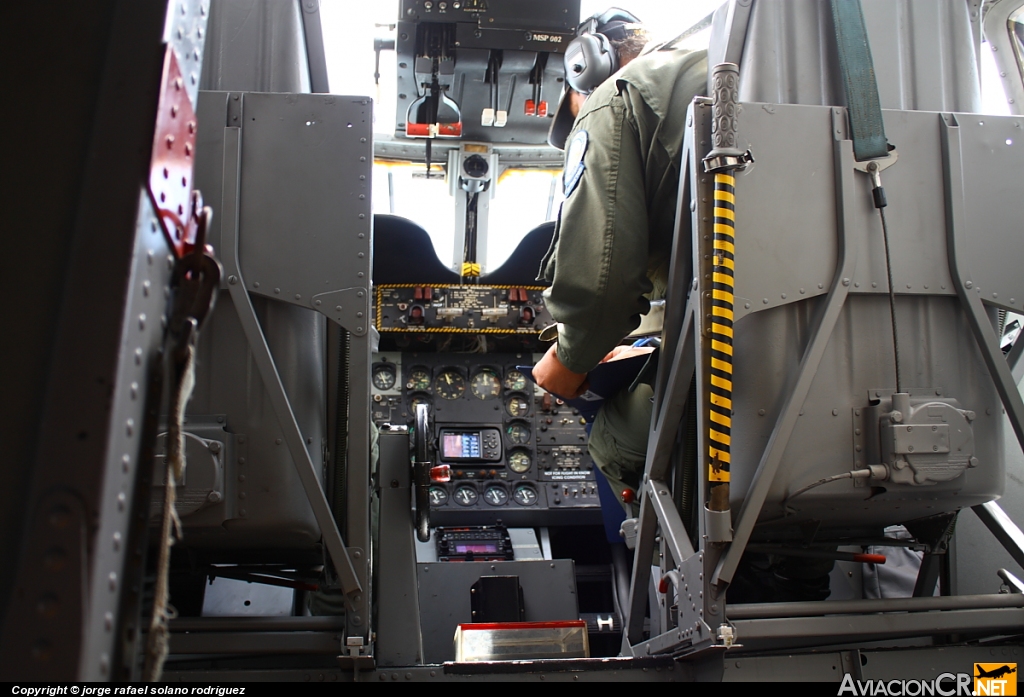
956	251
349	308
874	168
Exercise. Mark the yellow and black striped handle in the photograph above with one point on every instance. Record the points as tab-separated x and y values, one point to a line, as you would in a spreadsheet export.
723	272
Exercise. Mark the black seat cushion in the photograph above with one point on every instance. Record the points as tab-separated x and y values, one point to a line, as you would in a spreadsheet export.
404	253
520	269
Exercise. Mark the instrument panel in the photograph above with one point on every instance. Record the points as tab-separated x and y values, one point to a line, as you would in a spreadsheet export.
460	309
517	454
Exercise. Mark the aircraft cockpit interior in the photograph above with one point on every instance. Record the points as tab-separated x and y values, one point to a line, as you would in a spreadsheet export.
319	449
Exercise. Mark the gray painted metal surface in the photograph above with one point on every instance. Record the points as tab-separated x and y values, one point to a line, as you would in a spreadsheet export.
256	45
549	589
857	358
1001	44
312	29
309	474
924	52
788	412
265	504
399	639
259	45
795	632
185	29
314	250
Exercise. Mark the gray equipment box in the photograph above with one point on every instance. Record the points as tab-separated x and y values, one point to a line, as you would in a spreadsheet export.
288	176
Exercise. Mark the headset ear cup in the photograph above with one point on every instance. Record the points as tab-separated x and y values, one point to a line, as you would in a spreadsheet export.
589	61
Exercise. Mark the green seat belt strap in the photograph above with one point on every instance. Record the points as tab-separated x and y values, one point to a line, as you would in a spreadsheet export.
862	103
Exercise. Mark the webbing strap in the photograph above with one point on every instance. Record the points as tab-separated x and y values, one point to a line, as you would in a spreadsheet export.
862	103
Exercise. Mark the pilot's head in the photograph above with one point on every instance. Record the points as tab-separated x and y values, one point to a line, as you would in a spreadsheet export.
603	44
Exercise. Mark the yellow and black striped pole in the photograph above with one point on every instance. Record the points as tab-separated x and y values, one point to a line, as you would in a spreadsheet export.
723	272
724	159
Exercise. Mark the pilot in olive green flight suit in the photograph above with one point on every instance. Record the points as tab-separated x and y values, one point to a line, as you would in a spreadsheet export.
610	252
609	258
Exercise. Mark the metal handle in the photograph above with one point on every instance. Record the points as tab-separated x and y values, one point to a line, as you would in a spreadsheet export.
725	81
725	90
421	473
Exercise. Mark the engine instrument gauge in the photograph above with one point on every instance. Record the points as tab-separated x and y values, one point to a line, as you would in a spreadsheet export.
517	405
518	433
485	385
438	496
519	461
419	379
496	495
384	377
467	496
515	381
450	385
524	495
418	399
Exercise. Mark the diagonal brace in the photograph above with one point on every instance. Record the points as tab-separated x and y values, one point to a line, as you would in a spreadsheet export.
268	369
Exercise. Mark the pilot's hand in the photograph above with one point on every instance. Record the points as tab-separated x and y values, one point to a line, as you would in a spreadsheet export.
628	351
616	353
554	377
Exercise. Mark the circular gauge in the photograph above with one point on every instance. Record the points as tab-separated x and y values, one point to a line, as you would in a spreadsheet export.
418	399
450	385
519	461
517	405
496	495
384	377
438	496
467	496
419	379
524	495
485	385
518	433
515	381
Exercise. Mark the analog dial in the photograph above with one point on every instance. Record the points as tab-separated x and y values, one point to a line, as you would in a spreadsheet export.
419	379
485	385
515	381
467	496
496	495
438	496
517	405
518	433
450	385
525	495
519	461
418	399
384	377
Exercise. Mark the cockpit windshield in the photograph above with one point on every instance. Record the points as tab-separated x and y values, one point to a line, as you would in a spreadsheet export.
526	195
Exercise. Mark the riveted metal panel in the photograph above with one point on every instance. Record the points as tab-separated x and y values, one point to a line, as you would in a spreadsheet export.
297	151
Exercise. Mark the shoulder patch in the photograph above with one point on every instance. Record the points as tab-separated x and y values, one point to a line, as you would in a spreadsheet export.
574	166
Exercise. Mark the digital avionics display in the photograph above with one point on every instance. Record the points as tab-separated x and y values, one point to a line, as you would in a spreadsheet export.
460	446
479	548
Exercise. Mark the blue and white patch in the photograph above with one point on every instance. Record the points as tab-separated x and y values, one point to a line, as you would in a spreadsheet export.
574	166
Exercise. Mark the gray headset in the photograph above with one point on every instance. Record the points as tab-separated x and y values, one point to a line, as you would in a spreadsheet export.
590	58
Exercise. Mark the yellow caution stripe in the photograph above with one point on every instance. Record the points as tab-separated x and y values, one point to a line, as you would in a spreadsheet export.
722	299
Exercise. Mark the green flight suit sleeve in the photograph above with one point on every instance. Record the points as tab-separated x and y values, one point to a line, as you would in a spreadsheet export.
598	262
